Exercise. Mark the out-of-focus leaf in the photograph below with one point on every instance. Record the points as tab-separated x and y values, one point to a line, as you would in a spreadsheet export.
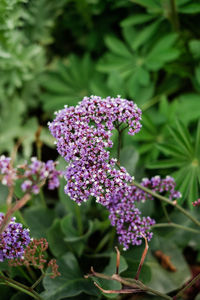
39	220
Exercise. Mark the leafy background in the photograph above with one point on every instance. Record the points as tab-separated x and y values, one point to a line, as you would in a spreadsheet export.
53	53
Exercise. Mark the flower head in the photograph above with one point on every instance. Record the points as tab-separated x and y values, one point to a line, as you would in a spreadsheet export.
13	240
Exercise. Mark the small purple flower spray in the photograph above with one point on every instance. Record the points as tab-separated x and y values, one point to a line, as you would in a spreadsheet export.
83	137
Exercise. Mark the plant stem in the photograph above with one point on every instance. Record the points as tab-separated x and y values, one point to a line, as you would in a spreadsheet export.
174	16
38	281
42	198
20	203
193	281
173	203
151	102
165	212
21	287
134	284
158	225
79	220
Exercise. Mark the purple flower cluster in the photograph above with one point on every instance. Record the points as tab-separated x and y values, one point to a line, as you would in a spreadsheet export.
158	185
34	175
13	240
83	134
125	216
37	172
9	173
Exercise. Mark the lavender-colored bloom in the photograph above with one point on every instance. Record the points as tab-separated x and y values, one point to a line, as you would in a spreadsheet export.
9	173
37	173
34	174
83	134
13	240
125	216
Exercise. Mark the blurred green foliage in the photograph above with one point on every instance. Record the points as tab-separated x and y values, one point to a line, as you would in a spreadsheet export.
53	53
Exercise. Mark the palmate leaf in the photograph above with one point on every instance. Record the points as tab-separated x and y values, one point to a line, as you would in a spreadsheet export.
67	83
183	154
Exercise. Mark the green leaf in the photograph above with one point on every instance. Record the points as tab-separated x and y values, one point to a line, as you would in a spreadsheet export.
194	46
71	233
189	103
144	35
70	283
129	158
117	47
191	8
197	141
162	279
167	163
55	239
136	19
148	3
110	270
39	220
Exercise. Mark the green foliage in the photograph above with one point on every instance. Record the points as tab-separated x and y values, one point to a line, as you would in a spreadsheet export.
54	53
183	155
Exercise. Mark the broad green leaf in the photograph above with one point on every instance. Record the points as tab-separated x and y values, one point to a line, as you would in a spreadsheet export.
110	270
55	238
70	283
129	158
39	220
189	103
162	279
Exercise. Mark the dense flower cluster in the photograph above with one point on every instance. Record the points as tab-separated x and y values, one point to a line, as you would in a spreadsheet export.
35	255
34	175
156	184
125	216
83	137
13	240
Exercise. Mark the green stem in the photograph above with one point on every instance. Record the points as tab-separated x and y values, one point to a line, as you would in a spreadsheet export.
175	226
38	281
102	243
79	220
42	198
174	16
193	281
21	287
165	211
166	200
151	102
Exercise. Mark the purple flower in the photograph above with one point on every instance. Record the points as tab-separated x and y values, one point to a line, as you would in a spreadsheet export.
83	135
34	174
8	172
13	240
